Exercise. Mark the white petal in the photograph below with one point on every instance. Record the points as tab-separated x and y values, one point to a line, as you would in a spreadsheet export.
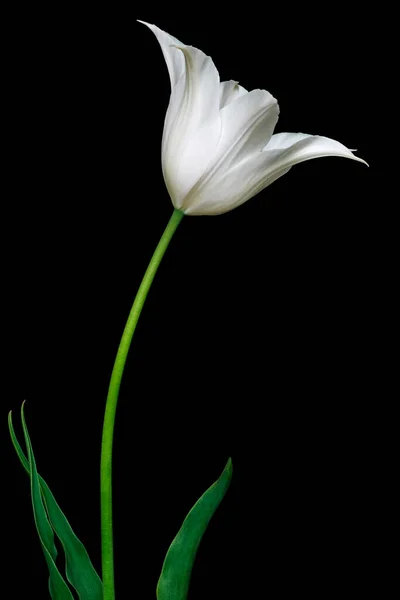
247	124
231	188
292	148
174	59
229	91
192	124
285	140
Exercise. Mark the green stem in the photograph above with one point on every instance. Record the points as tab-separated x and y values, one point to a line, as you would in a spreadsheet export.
111	406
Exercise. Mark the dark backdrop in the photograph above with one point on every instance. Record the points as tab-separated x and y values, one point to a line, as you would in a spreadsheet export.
255	339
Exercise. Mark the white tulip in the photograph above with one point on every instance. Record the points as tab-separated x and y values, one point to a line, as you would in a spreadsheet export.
218	146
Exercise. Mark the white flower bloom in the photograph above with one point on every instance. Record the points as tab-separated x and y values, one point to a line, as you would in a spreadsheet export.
218	147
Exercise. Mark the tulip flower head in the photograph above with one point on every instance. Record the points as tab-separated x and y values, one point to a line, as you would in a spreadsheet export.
219	148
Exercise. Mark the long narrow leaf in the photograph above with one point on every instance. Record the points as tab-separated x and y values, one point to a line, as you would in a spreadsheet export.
59	590
177	568
79	569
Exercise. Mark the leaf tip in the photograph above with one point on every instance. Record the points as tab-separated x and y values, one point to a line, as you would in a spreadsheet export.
23	411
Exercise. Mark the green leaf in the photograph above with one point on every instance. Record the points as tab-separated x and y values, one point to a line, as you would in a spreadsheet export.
79	569
58	588
177	568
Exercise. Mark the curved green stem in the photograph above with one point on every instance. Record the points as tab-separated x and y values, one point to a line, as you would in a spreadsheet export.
111	406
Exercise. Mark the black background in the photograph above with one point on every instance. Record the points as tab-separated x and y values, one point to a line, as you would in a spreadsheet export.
257	336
